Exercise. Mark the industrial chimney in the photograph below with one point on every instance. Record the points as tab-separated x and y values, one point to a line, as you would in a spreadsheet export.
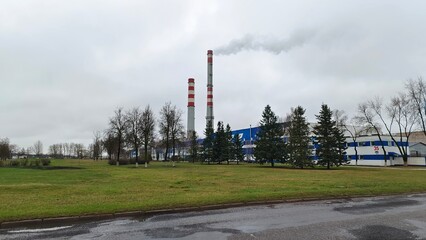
191	107
209	116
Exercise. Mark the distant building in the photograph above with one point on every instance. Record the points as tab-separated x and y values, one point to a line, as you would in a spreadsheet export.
417	137
418	149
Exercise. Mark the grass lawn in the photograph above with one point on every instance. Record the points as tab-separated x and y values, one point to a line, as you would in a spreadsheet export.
74	187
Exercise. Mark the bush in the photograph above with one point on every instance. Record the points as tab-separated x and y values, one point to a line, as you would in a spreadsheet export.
133	161
122	162
149	158
23	162
176	158
14	163
35	163
45	162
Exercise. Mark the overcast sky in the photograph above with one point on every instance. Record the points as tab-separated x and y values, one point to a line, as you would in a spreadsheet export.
65	66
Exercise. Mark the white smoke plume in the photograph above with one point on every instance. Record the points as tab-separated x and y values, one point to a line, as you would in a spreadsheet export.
263	43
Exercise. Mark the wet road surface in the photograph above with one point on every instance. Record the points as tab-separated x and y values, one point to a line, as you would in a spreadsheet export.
395	217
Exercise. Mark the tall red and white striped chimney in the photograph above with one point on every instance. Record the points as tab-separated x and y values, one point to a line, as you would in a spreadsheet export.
209	116
191	107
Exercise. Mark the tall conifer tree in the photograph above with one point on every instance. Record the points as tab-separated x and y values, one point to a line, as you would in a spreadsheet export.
270	146
220	144
230	153
329	138
238	148
208	144
299	140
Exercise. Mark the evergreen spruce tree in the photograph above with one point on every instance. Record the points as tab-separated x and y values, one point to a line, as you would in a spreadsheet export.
208	144
270	146
193	148
230	153
326	133
219	144
238	148
341	145
299	140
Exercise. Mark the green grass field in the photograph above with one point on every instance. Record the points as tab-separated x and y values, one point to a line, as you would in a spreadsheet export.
75	187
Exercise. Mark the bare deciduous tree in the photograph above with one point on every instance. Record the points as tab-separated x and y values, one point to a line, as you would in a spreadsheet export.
97	145
55	150
177	130
79	150
166	115
38	148
404	114
367	117
110	144
4	149
133	132
171	127
147	125
356	127
66	149
417	94
117	127
401	113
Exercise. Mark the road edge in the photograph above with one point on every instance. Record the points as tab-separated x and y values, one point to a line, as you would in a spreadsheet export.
139	214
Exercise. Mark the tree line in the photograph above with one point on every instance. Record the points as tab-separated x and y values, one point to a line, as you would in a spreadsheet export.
128	131
221	146
398	118
7	149
134	130
291	142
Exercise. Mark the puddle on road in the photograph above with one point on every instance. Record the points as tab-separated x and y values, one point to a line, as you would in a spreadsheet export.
186	230
378	207
374	232
39	230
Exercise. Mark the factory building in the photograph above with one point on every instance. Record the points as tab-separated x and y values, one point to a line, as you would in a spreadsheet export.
369	148
370	151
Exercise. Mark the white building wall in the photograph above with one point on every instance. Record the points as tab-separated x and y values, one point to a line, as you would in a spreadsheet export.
412	161
370	152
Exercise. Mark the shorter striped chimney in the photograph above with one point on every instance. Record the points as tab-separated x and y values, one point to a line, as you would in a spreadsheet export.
191	107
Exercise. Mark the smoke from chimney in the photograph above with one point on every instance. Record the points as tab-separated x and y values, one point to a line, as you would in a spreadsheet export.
262	43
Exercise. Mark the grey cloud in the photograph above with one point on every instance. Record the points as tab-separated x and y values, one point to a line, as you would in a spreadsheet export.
65	66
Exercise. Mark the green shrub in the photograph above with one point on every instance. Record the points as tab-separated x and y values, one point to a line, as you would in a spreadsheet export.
14	163
133	161
35	163
149	158
23	162
2	163
45	162
122	162
125	161
176	158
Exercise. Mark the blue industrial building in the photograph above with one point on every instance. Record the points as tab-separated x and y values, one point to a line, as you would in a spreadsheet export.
369	149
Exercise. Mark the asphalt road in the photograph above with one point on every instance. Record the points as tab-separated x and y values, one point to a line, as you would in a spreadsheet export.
396	217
